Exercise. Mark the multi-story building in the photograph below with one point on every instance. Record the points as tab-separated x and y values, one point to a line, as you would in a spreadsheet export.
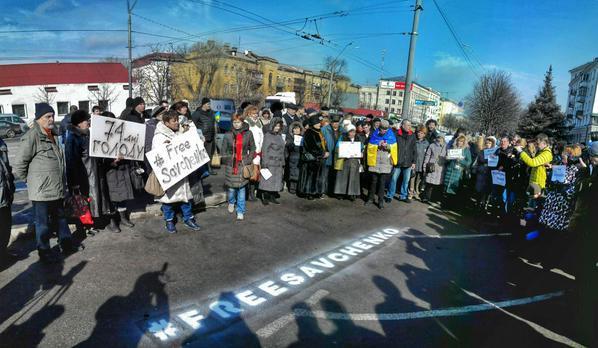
249	76
582	106
62	85
388	96
449	107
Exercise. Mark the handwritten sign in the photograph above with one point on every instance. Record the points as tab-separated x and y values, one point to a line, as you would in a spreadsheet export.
348	149
492	161
297	139
488	152
113	138
174	161
454	154
498	178
559	173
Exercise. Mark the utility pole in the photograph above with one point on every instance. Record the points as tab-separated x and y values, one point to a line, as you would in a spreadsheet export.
378	84
409	77
332	72
129	11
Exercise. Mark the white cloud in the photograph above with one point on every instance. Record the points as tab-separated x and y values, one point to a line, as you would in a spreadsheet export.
41	9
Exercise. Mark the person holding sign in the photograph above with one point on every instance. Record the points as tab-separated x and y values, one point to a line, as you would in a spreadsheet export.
294	144
238	151
382	156
180	194
256	127
273	155
347	169
483	184
455	167
560	196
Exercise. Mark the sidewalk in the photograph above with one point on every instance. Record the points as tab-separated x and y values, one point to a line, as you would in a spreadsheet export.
22	216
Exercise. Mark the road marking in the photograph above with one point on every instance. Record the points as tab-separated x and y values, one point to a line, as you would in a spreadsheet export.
540	329
283	321
553	270
278	324
458	236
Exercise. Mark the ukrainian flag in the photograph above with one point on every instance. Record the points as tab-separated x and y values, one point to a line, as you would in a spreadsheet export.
391	143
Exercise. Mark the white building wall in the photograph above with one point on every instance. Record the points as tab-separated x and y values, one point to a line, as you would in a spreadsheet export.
69	93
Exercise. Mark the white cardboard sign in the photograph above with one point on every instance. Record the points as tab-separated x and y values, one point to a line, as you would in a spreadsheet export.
454	154
113	138
349	149
498	178
492	161
488	152
174	161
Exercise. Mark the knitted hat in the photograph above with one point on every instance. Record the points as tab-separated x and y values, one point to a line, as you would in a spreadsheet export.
315	119
78	117
136	102
204	101
41	109
350	128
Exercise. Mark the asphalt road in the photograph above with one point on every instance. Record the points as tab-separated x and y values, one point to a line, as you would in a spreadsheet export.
303	274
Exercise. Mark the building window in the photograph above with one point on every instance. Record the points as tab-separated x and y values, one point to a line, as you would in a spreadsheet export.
394	102
270	80
394	93
51	89
5	92
392	109
387	92
387	101
93	88
19	109
386	109
63	108
126	87
84	105
400	93
226	69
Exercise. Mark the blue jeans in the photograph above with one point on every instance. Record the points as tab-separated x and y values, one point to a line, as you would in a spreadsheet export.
169	212
237	195
392	187
42	210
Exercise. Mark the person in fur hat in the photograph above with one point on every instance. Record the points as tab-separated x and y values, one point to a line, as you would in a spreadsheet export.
294	144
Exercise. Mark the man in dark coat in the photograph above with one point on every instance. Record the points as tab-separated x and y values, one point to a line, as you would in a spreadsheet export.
506	158
204	119
406	163
290	117
432	131
128	107
137	111
66	122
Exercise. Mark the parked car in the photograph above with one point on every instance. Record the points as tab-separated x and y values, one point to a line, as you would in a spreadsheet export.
9	129
12	118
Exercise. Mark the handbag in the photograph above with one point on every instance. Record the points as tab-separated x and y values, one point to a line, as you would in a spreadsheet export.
153	187
136	174
256	173
248	171
77	206
430	167
216	160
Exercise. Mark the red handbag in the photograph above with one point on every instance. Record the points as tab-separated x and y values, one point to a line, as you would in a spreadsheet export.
78	207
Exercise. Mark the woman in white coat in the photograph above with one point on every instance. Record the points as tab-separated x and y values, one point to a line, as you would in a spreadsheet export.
251	115
180	194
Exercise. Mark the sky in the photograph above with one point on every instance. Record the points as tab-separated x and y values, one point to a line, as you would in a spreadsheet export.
522	38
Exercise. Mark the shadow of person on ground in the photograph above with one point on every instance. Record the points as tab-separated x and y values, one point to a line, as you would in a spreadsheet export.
309	333
236	333
115	319
33	288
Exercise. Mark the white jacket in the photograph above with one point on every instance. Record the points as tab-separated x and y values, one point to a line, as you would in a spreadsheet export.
181	191
258	137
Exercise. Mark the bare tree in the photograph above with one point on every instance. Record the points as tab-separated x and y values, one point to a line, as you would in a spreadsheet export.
337	68
43	96
245	86
104	96
450	122
494	105
204	61
155	78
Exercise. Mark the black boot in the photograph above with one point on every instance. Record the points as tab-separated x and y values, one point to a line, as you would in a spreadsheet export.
265	198
113	227
68	247
124	220
273	199
251	192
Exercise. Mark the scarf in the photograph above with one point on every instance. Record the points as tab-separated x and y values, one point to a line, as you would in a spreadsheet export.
401	132
238	148
50	135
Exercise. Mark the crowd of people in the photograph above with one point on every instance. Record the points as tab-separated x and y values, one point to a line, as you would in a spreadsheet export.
313	154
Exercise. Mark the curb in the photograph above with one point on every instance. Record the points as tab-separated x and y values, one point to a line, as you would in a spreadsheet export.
22	231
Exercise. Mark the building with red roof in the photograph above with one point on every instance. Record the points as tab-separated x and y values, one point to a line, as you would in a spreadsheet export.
62	85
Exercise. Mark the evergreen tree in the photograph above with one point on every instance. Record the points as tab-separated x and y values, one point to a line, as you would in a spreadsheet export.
544	115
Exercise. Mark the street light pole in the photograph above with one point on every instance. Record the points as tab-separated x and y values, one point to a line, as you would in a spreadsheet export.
129	10
409	77
331	75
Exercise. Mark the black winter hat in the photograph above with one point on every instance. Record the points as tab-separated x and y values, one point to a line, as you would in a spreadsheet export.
41	109
137	101
314	120
79	116
276	106
204	101
335	118
292	106
129	102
